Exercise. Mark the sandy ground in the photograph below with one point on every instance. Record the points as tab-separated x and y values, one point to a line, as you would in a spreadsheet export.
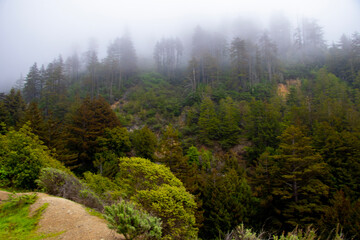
71	218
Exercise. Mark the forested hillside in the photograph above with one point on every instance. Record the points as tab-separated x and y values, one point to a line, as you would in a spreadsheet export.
261	127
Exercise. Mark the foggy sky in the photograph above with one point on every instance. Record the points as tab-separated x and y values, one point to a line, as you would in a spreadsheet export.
39	30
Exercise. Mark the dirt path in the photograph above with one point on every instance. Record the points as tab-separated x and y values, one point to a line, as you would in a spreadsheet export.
71	218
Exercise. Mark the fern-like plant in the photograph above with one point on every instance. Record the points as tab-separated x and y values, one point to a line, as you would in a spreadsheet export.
126	219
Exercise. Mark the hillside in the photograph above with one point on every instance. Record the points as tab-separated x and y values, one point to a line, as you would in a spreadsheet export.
71	218
259	129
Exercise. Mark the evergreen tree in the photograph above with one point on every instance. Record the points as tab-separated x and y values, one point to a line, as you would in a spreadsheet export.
34	117
340	150
56	138
208	121
128	58
144	142
4	113
114	143
92	67
342	214
171	153
240	61
229	123
193	156
227	202
299	176
89	123
262	127
15	106
32	85
269	60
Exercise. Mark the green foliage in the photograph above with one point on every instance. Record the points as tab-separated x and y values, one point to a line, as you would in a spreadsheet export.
227	202
340	150
116	140
138	174
14	220
107	163
343	214
66	185
242	233
154	94
114	143
298	176
208	121
34	117
193	155
144	142
14	107
125	219
229	123
206	159
174	206
22	156
262	127
87	124
170	152
299	234
103	187
158	191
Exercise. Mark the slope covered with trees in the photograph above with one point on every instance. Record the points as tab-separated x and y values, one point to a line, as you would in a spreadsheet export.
261	128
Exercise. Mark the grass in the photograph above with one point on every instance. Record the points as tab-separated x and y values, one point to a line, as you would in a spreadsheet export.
95	213
15	222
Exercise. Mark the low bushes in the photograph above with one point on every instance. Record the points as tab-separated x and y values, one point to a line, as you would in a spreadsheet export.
126	219
66	185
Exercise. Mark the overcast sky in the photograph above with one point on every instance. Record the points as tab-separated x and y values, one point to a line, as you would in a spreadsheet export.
39	30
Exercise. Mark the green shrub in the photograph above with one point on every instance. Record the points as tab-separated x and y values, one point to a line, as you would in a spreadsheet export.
107	190
22	155
159	192
139	174
62	184
242	233
125	219
175	207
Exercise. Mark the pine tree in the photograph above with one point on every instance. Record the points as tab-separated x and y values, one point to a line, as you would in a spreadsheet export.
171	153
32	84
144	142
229	123
128	59
227	202
240	61
299	175
88	123
114	143
262	127
34	117
15	106
208	121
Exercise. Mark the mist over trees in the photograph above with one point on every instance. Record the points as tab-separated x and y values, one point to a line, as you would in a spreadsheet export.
243	126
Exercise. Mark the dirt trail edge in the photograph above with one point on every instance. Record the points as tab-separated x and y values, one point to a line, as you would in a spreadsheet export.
71	218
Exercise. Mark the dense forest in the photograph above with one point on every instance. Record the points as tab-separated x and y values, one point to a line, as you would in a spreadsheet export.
262	128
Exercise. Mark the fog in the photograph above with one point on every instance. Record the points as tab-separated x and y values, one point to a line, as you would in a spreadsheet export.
40	30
